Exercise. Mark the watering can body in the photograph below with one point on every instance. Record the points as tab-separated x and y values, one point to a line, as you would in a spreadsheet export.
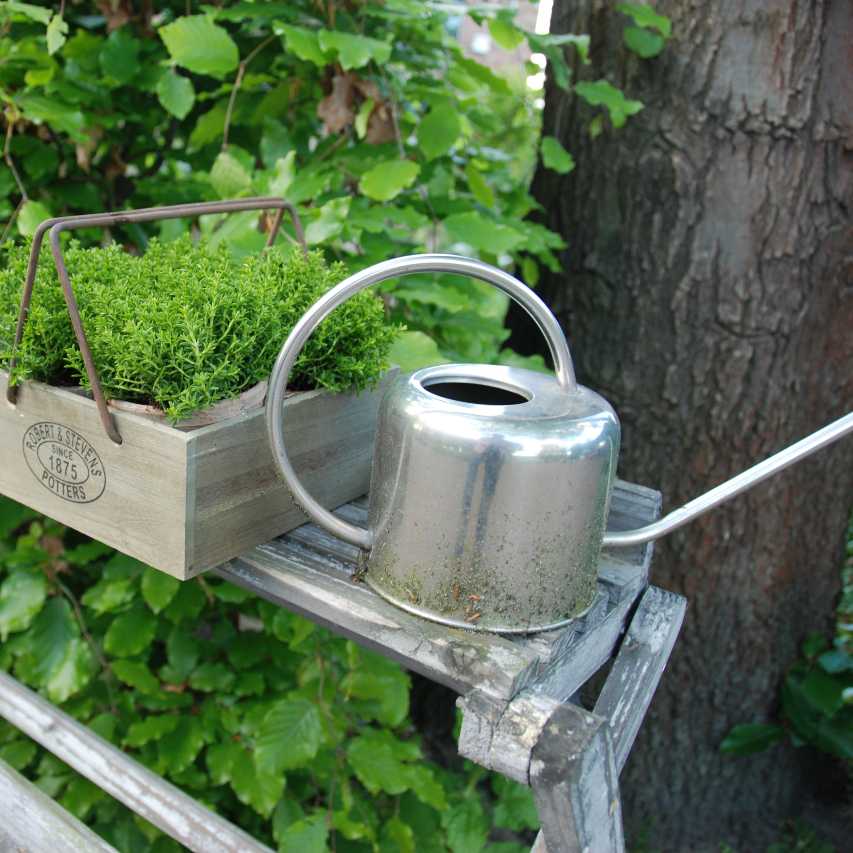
489	495
490	485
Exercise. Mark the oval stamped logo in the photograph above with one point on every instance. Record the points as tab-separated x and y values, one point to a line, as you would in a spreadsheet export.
64	462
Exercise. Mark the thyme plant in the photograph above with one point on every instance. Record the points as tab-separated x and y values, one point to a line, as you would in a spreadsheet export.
183	326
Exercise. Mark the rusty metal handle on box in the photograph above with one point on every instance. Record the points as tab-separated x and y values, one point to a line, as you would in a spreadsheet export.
121	217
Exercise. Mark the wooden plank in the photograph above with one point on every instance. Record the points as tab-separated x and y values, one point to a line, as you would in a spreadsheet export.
149	795
576	786
500	736
636	672
321	589
31	821
180	501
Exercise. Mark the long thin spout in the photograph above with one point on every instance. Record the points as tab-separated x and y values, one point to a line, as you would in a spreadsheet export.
679	517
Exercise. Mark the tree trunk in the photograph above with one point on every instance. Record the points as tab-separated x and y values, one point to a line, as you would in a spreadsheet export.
707	294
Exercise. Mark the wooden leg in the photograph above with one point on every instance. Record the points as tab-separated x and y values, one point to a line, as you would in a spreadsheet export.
575	765
636	672
576	785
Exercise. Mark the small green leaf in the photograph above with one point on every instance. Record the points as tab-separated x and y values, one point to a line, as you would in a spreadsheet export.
229	175
18	753
814	644
438	131
302	42
176	94
747	738
478	186
602	93
30	216
481	232
200	46
109	594
212	677
289	736
505	33
354	51
372	758
514	808
22	596
253	786
836	661
152	728
466	826
182	652
35	13
388	179
330	222
158	588
823	691
307	835
135	674
362	117
220	758
555	157
397	837
178	748
131	632
413	350
187	603
427	788
119	56
644	15
57	32
644	43
81	796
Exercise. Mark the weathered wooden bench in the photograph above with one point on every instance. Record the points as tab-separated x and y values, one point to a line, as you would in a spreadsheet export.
521	716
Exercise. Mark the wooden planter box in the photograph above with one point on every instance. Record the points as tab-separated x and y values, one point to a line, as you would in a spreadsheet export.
180	501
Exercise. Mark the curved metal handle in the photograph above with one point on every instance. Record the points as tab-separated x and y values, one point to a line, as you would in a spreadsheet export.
324	306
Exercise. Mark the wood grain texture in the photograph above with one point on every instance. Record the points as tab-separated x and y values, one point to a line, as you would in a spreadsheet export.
31	821
637	670
182	502
142	791
576	786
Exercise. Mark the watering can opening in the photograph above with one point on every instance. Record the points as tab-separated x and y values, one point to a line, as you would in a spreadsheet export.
463	390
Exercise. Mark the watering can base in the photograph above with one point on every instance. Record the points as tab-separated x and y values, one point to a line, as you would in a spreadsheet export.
487	625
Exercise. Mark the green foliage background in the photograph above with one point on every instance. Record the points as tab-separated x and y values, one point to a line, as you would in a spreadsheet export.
370	119
301	738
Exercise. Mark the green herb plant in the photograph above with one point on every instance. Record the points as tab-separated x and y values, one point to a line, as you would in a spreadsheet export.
183	327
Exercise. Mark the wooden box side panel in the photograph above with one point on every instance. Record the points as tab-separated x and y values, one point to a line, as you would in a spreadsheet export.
56	458
240	499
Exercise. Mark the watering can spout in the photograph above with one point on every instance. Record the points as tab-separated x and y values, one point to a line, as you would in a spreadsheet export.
779	461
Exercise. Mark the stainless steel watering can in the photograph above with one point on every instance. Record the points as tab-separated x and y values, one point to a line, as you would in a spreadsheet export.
491	485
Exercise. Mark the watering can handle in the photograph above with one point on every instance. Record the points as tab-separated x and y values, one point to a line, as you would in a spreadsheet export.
324	306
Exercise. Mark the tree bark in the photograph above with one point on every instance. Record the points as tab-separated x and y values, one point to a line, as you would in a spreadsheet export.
707	293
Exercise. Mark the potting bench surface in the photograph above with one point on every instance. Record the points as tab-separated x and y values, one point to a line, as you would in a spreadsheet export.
521	717
516	692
